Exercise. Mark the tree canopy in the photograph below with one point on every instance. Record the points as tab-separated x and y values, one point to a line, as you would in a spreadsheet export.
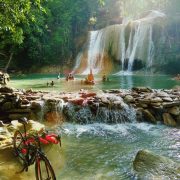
43	32
14	16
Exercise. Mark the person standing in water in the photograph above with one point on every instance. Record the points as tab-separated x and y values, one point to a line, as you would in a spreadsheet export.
90	76
59	76
52	83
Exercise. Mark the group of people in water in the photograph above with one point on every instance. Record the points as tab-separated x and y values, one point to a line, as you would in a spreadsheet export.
177	77
88	80
50	83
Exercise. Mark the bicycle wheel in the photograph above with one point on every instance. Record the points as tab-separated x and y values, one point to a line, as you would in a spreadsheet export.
18	143
43	169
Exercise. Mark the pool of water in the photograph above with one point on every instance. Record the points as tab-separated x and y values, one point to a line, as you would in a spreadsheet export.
100	151
39	82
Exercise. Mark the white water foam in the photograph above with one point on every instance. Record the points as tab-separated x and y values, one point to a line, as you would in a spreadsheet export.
101	129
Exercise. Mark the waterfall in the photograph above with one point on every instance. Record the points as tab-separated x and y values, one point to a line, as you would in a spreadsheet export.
95	52
78	62
150	49
122	46
116	111
127	43
134	45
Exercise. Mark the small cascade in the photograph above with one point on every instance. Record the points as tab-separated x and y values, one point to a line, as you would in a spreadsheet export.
117	112
42	111
52	110
129	43
115	116
38	110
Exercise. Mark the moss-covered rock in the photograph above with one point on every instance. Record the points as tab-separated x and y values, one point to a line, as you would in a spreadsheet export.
150	166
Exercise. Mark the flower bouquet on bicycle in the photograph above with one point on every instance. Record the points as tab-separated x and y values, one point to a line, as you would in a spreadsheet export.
28	148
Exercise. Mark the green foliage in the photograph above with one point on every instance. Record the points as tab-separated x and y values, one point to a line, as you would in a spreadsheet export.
14	16
43	32
52	39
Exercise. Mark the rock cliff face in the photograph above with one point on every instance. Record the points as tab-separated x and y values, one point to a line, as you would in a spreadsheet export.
142	44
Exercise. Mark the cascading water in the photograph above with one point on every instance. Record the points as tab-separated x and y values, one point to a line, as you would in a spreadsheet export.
122	45
118	113
78	61
126	43
150	50
135	41
95	52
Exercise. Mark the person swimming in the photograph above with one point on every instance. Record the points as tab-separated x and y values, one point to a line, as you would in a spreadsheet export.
52	83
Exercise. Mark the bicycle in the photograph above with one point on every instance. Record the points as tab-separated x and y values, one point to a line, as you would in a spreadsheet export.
28	149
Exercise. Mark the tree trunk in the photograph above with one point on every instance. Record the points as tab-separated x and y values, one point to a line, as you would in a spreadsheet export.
9	61
3	54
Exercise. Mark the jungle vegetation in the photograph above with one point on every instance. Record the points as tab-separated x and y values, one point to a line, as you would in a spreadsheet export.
46	32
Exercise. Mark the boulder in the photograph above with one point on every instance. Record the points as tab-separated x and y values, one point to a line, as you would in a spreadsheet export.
117	104
147	115
162	94
144	100
77	101
17	115
129	99
157	104
142	89
7	89
174	110
7	106
139	115
168	120
167	99
85	95
32	126
178	120
143	105
19	111
171	104
36	105
148	164
104	100
156	100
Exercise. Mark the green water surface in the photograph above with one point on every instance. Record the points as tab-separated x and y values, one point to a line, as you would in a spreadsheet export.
98	151
39	82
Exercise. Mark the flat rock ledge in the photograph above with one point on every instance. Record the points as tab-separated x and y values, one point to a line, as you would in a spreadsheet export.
111	106
7	132
149	165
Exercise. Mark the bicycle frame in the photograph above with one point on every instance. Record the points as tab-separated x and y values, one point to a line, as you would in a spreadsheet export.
30	151
32	154
36	153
